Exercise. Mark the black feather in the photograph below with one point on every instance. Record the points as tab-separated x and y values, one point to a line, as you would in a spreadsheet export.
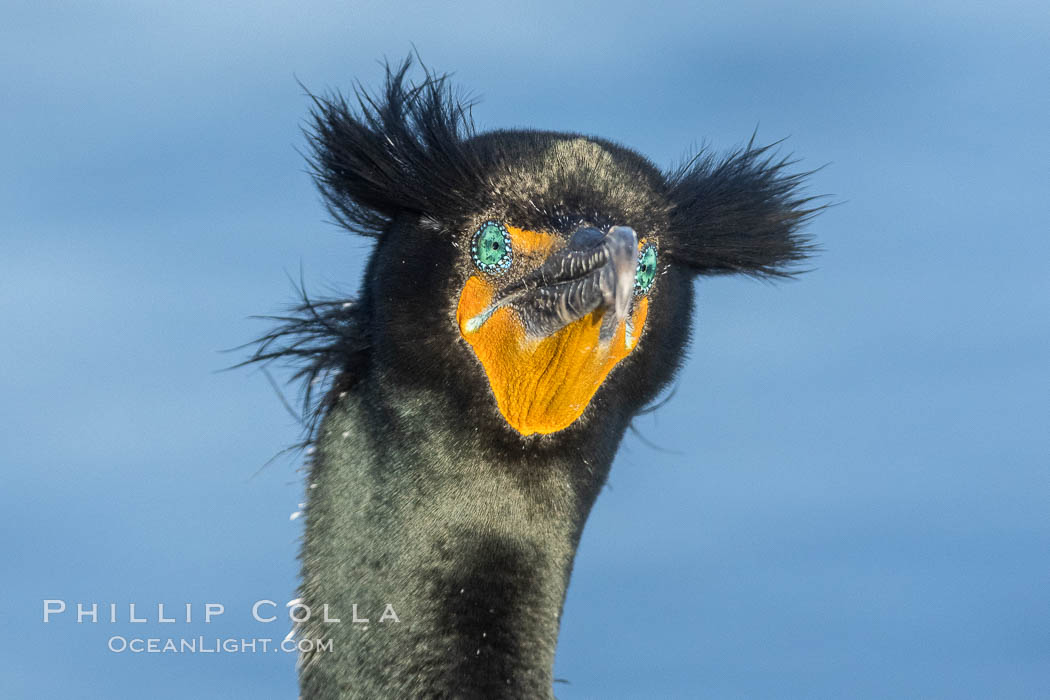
741	212
326	342
426	496
405	151
412	149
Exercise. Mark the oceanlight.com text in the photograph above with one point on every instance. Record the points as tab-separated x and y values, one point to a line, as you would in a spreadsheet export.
215	645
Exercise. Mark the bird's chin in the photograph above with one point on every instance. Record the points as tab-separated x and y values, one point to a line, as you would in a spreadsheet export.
543	385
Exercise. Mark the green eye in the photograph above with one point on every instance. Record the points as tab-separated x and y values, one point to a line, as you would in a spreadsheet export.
490	248
646	272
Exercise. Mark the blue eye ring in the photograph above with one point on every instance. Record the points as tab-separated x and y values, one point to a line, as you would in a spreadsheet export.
645	275
490	248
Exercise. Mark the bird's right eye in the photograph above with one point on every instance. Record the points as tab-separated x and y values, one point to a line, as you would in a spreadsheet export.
646	272
490	248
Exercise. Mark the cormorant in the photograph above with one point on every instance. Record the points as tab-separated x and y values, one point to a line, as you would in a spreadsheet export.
527	295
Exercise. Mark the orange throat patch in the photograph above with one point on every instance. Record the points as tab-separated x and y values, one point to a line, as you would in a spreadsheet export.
542	385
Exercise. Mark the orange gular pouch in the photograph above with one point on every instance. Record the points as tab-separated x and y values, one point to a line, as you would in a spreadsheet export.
542	385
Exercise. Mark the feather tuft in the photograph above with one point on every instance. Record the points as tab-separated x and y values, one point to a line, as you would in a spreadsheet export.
741	213
326	341
405	150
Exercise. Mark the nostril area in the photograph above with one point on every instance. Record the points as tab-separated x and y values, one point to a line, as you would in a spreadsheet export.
585	237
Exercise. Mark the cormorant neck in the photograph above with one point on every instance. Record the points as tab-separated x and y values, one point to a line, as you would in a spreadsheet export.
470	544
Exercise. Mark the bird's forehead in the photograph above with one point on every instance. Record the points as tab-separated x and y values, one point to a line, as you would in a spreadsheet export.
577	177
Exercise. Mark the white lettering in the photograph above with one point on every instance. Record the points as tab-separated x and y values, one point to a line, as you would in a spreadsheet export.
299	606
82	613
389	614
259	604
49	608
213	610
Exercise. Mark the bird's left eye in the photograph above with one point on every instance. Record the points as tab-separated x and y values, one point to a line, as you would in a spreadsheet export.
490	248
646	272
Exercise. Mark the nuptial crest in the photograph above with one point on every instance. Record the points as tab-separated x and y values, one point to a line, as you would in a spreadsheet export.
569	255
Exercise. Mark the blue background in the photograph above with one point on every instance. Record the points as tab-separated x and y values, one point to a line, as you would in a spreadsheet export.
854	497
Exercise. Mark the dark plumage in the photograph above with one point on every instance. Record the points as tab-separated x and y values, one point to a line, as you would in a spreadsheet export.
427	491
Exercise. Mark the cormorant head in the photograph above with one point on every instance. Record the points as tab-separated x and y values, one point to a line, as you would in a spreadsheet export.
542	280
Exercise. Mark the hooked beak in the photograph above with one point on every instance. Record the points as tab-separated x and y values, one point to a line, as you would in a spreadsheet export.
594	273
548	340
